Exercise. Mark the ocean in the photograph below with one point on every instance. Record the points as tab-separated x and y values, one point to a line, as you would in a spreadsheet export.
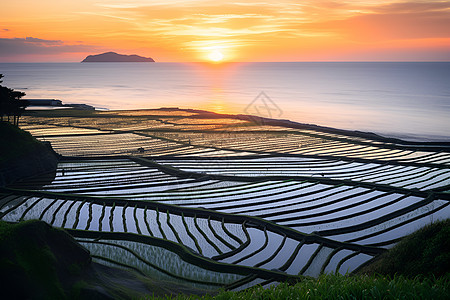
397	99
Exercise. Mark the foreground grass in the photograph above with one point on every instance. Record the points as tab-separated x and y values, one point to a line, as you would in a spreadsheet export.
344	287
426	252
418	267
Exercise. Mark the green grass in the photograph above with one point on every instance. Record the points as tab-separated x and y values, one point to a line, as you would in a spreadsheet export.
344	287
425	252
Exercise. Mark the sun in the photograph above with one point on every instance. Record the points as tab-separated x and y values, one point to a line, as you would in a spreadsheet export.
216	56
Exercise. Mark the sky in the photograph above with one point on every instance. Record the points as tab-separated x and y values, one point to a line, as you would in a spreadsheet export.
195	30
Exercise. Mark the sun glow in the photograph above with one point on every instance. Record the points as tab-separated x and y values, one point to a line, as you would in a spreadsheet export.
226	31
216	56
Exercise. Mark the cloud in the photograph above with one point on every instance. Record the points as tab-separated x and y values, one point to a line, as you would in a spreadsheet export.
400	21
197	26
37	46
185	29
413	7
40	41
196	22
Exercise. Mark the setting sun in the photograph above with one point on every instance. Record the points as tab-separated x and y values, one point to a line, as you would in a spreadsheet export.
217	31
216	56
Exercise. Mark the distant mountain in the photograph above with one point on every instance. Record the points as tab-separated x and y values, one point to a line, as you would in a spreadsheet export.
115	57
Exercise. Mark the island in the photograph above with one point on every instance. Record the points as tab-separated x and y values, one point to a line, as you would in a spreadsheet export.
115	57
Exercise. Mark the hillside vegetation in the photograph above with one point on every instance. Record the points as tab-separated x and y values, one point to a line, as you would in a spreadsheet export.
15	142
38	261
425	252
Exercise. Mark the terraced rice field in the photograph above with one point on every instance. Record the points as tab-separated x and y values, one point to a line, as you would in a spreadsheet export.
213	200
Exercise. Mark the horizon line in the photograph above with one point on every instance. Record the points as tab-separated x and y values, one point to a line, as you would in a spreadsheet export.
227	62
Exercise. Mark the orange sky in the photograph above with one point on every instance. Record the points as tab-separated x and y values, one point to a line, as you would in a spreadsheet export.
179	30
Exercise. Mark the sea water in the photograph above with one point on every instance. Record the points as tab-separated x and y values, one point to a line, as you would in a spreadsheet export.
398	99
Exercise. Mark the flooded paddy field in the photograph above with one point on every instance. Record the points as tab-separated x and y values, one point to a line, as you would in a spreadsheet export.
228	201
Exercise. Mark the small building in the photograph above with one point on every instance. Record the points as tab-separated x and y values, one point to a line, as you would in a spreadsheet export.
44	102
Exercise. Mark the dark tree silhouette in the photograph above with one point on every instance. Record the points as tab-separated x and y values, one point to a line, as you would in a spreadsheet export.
11	104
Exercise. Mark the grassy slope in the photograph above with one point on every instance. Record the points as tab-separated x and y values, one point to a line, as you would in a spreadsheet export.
38	261
425	252
31	263
345	287
15	142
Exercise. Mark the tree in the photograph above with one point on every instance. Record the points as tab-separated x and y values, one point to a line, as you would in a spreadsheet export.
11	104
18	105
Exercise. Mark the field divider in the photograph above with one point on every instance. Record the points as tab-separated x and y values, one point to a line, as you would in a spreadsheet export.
29	208
291	259
236	250
205	236
136	221
374	222
175	233
111	217
199	249
56	211
88	223
67	213
9	200
41	216
231	235
392	227
160	225
266	242
102	216
124	219
307	208
146	222
221	239
327	261
16	206
326	157
342	261
273	254
338	209
310	260
426	147
346	216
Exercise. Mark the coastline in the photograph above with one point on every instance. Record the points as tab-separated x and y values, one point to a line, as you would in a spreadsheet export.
403	100
386	137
